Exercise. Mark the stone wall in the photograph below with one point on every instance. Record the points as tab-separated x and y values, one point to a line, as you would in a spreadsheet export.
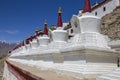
111	24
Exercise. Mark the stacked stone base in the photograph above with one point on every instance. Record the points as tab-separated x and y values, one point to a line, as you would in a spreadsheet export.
113	75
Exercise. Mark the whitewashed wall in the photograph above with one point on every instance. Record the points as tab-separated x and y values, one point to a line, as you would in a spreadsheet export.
110	6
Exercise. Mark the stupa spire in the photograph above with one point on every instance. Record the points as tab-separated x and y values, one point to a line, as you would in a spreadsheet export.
87	6
59	23
37	32
31	37
45	28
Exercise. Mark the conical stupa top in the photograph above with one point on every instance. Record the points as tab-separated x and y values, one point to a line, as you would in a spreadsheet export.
27	40
23	43
45	28
60	10
59	23
87	6
31	37
45	22
36	29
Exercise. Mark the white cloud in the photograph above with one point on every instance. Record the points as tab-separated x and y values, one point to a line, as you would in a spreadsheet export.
12	31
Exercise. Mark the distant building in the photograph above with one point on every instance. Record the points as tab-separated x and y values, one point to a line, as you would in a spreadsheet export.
98	9
103	8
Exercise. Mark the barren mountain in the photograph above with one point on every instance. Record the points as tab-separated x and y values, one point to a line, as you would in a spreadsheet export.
5	48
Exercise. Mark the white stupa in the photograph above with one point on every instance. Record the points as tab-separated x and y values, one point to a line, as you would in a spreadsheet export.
28	45
34	42
59	36
44	40
23	48
89	28
33	45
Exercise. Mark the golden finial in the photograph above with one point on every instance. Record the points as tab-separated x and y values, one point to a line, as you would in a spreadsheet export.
26	37
60	10
30	34
45	22
37	29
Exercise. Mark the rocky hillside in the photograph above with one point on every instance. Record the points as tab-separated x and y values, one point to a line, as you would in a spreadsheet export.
111	24
5	48
1	67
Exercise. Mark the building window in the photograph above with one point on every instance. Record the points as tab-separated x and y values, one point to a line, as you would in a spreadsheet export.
71	31
75	24
104	8
95	13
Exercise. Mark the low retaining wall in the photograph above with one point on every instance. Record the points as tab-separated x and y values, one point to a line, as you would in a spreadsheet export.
20	74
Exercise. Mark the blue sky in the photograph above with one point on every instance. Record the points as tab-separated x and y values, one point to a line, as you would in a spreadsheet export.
19	18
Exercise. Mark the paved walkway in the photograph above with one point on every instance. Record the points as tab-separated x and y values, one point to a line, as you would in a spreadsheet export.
44	74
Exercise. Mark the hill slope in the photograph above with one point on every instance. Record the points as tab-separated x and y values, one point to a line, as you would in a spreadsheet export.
5	47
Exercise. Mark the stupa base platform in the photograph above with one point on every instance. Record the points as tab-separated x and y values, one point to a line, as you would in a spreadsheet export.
75	63
75	55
